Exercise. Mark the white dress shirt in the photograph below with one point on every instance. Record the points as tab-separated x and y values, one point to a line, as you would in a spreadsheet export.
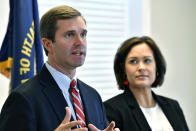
63	82
156	118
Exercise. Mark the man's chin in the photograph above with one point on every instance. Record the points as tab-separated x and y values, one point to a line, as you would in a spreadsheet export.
79	64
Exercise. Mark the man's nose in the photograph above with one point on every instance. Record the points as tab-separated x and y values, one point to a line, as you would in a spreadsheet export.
79	40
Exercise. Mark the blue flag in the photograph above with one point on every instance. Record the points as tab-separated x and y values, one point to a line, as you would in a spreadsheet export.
21	51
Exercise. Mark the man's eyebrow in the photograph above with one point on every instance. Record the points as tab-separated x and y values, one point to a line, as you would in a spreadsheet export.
85	30
70	31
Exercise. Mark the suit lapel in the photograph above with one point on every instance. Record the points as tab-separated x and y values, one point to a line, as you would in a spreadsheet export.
138	115
53	93
136	111
169	112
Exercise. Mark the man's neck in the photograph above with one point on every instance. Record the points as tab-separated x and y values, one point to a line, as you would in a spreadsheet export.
68	72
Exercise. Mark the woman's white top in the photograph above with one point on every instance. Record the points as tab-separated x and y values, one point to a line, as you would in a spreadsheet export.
156	118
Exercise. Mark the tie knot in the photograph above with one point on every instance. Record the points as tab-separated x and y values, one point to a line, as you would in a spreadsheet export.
73	83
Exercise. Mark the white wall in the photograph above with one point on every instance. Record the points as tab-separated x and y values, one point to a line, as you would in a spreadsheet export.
4	82
173	26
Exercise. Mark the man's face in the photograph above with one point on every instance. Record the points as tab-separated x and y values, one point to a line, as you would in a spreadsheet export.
69	49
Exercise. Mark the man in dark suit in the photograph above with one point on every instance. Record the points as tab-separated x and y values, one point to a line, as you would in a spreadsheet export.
44	103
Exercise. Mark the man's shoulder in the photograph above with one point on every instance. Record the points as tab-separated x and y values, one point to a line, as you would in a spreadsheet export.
116	100
166	100
86	86
32	86
88	91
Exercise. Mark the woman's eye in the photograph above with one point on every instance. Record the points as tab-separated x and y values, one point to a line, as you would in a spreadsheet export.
147	61
133	61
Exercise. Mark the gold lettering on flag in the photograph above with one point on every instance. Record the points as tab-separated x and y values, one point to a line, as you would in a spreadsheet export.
26	50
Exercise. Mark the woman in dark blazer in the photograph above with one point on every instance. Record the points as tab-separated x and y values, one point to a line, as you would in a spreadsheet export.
139	65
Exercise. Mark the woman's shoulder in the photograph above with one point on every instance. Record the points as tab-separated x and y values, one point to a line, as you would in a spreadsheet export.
166	100
115	100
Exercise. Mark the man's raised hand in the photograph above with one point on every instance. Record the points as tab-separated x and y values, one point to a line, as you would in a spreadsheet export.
109	128
66	125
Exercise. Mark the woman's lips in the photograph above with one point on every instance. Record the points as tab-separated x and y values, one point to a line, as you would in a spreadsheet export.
141	76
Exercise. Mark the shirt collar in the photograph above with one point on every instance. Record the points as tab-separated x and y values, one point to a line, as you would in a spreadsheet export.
62	80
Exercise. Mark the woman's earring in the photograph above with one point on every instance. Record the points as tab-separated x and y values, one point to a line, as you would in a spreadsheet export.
126	82
156	80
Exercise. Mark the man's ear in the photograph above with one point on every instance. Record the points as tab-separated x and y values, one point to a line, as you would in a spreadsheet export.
47	44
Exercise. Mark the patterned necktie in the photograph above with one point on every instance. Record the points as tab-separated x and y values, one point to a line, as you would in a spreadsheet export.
77	105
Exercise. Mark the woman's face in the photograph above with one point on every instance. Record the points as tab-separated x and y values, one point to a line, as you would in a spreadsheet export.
140	66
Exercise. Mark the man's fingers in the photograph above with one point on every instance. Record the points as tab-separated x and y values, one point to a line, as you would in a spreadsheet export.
92	127
111	126
71	124
66	125
67	116
116	129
